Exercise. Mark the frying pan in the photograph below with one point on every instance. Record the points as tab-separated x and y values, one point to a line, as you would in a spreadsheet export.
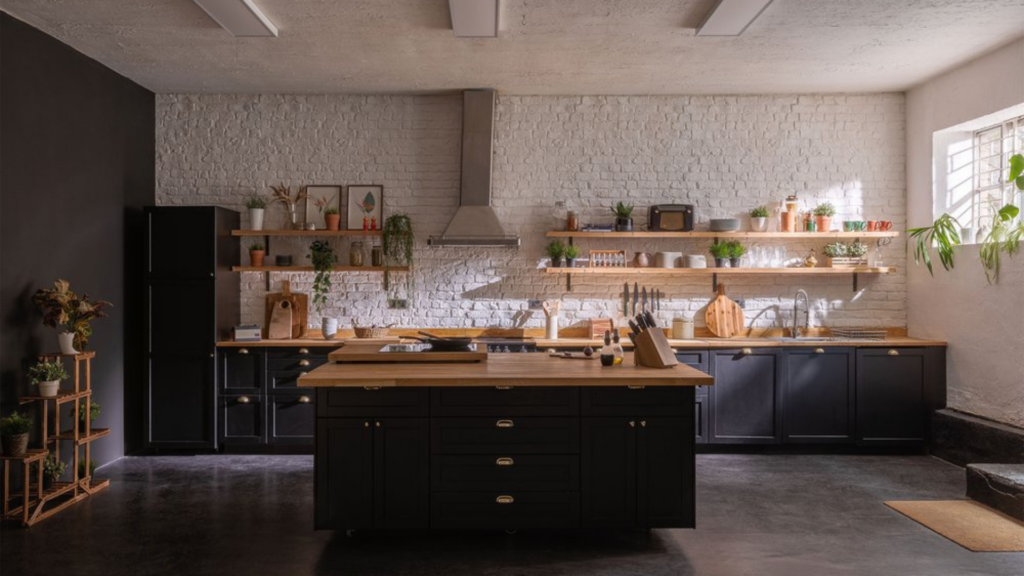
442	344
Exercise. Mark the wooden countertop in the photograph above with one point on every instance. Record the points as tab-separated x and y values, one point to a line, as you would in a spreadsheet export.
504	370
747	342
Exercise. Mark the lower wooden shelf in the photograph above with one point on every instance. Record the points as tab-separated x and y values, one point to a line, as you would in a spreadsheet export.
82	437
61	397
310	269
727	271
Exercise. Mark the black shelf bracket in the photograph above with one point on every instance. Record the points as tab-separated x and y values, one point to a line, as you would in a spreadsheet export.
568	275
714	282
854	281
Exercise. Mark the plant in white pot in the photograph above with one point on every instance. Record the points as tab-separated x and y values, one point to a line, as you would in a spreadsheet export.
257	204
759	219
64	308
47	376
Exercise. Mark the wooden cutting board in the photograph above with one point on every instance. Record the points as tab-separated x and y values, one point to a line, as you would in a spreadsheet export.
724	317
300	309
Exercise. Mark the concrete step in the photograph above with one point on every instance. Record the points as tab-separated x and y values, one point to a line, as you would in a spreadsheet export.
999	486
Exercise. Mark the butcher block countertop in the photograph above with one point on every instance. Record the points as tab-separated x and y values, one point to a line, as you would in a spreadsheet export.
747	342
503	370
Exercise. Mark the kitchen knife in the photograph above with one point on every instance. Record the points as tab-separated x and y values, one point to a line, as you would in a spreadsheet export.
636	295
634	327
643	300
625	299
649	318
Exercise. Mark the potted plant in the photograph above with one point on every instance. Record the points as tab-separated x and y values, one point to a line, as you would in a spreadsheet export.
84	465
94	413
332	218
53	469
623	217
62	307
759	219
721	252
572	252
47	375
256	254
736	251
398	243
14	432
256	203
859	250
323	258
823	213
556	251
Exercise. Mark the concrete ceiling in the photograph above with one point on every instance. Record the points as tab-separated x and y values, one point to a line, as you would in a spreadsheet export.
544	47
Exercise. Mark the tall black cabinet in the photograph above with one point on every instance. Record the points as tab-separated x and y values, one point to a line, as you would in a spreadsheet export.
192	300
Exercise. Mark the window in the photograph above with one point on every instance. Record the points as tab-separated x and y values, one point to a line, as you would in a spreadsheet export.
976	174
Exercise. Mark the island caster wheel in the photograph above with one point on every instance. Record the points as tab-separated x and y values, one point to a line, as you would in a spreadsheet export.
511	531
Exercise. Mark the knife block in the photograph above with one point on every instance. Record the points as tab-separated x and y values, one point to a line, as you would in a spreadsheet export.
653	350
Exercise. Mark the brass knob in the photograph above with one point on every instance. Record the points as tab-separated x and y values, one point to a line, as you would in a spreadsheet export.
643	423
504	499
632	424
371	387
303	350
303	362
303	399
819	350
894	352
504	462
504	424
243	400
502	387
377	424
243	350
301	374
636	387
366	424
747	351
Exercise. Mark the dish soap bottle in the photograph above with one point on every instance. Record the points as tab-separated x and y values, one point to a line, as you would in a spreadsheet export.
617	348
607	352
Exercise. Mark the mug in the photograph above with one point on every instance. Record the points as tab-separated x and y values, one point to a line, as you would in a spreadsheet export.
861	225
849	226
667	259
884	225
695	261
871	225
641	260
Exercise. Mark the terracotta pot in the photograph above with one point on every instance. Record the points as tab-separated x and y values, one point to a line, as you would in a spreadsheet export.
824	223
15	445
788	221
256	257
333	221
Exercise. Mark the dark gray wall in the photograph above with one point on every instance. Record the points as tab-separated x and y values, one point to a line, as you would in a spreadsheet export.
76	166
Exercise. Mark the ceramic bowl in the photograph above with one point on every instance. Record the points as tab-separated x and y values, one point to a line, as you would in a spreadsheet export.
725	224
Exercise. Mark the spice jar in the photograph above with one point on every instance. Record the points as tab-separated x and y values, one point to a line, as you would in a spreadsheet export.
355	254
572	221
377	255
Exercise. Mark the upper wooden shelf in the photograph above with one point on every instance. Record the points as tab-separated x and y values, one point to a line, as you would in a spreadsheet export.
310	269
710	234
733	271
307	232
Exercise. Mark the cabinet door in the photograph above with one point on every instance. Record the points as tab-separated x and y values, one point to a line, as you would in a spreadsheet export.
401	460
291	419
819	398
181	242
344	474
181	402
700	420
745	399
891	407
242	420
608	472
241	371
665	474
181	317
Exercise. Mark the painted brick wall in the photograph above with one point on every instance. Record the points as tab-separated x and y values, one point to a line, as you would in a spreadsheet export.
725	154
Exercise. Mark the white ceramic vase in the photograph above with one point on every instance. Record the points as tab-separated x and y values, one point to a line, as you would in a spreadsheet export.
49	388
551	333
67	342
329	326
256	218
759	224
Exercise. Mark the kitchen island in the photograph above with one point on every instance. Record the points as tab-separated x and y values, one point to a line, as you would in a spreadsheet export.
518	441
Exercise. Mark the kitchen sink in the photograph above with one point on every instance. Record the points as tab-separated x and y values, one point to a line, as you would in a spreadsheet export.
803	338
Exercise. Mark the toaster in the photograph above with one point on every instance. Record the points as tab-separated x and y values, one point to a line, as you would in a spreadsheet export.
670	218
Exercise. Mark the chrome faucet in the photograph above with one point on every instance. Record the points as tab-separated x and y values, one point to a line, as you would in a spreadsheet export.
796	312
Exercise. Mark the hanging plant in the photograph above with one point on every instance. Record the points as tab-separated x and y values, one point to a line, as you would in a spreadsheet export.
399	242
323	258
943	234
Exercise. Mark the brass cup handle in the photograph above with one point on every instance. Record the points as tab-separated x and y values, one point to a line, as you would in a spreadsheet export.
643	423
366	424
303	362
636	387
243	350
301	374
303	350
632	424
304	400
504	499
377	424
504	462
502	387
244	400
504	424
894	352
371	387
747	351
819	350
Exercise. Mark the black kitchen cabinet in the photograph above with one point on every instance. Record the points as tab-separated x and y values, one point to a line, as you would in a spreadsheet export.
242	420
818	395
700	419
192	301
608	464
291	419
665	473
372	473
242	371
745	401
897	388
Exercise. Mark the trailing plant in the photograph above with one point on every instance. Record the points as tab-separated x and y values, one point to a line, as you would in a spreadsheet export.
47	372
256	202
555	249
720	250
256	247
1005	236
84	464
825	209
572	252
622	210
759	212
323	258
399	242
836	250
943	234
857	249
63	307
15	424
54	468
736	249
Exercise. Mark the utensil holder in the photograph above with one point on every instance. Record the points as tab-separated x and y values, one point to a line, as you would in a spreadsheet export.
653	350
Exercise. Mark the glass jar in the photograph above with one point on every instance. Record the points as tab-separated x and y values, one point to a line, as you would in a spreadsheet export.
355	254
572	221
377	255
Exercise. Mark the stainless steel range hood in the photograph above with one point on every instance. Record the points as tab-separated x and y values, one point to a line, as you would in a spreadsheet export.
475	223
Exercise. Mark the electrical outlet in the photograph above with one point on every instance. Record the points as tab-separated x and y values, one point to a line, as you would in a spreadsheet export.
534	305
742	302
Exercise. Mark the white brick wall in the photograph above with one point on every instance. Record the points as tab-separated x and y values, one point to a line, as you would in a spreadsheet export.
725	154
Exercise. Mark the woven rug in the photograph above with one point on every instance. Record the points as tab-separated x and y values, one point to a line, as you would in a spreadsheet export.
966	522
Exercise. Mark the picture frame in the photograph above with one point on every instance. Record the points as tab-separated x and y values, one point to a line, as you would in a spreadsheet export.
365	201
320	197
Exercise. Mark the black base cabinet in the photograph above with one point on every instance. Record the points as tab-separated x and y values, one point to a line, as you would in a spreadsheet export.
818	395
745	401
897	391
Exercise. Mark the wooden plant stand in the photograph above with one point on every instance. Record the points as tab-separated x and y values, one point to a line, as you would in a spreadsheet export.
35	503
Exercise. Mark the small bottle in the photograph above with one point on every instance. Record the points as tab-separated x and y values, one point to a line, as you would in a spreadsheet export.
607	352
617	350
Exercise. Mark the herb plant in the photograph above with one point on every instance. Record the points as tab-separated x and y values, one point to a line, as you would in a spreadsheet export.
47	372
555	249
836	250
759	212
857	249
825	209
572	252
84	464
94	412
256	247
54	468
720	250
15	424
736	249
622	210
323	258
256	201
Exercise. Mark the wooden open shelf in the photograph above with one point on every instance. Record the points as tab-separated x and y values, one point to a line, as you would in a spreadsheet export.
82	438
710	234
61	397
725	271
307	233
310	269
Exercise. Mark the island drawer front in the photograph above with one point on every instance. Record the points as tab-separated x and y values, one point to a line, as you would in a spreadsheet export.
371	401
505	472
498	510
295	364
634	401
505	401
505	435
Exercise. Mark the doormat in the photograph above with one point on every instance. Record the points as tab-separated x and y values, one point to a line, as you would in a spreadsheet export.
966	522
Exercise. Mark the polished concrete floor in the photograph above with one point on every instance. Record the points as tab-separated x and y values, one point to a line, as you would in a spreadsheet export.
802	515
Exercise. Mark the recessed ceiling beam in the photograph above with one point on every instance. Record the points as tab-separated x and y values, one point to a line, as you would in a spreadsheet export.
475	18
731	17
240	17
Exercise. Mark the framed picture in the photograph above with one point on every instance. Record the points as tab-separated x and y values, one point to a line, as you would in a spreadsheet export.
365	203
319	198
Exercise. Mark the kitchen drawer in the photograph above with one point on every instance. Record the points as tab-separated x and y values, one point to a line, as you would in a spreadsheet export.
637	401
286	382
505	435
241	420
498	510
291	418
371	401
504	401
301	352
504	472
241	370
695	359
295	363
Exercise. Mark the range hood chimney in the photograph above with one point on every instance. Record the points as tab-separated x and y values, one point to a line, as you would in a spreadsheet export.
475	223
